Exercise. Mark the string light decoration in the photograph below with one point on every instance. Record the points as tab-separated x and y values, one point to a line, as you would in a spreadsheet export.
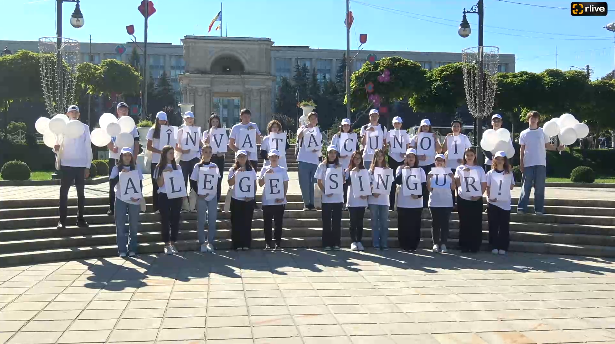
479	69
58	92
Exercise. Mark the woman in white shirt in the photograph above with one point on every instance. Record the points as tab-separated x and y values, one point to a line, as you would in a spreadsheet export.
470	207
458	144
273	208
356	205
169	208
345	127
426	142
379	205
218	159
498	210
153	139
396	138
207	204
189	157
268	144
242	210
331	203
410	207
440	202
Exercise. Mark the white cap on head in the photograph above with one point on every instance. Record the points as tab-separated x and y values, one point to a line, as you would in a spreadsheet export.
161	115
122	104
425	122
397	119
188	114
440	156
346	121
411	151
126	150
274	152
496	116
241	152
373	111
331	148
500	154
73	108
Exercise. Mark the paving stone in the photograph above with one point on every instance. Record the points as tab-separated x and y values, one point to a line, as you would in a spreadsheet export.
371	340
295	340
16	315
229	333
191	322
143	313
181	334
93	325
459	338
321	330
275	332
327	340
84	336
138	324
35	337
505	338
240	321
226	311
419	338
133	335
100	314
47	326
4	336
270	320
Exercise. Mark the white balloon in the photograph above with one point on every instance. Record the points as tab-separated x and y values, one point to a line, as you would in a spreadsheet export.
500	146
57	125
567	136
42	125
127	124
581	129
551	128
490	137
105	119
510	152
74	129
503	134
124	140
50	139
100	138
61	115
567	120
113	129
487	145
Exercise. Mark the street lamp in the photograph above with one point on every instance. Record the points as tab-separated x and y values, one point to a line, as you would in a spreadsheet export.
464	27
76	20
5	52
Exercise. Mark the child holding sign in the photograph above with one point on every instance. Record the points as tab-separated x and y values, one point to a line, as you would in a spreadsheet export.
382	180
359	190
204	180
345	141
153	142
242	177
411	179
455	144
188	144
275	180
127	187
373	137
218	138
499	181
440	182
276	139
169	208
426	144
398	141
471	184
330	178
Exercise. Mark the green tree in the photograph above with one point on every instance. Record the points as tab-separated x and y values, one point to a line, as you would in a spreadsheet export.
21	78
135	60
314	87
301	80
286	101
118	77
340	75
445	92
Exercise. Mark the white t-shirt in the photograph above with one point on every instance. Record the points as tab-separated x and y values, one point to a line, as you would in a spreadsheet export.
345	162
163	188
135	135
194	153
352	201
155	142
431	155
505	204
280	170
535	153
489	162
231	173
77	152
320	175
441	197
405	140
265	147
115	172
464	143
382	132
235	135
459	174
383	198
408	201
195	175
305	154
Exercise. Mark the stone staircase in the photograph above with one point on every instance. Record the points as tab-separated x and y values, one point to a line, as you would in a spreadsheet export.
28	231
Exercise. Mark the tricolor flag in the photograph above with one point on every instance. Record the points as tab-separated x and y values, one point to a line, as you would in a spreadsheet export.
218	27
216	19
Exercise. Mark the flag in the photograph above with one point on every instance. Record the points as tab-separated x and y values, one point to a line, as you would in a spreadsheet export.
217	27
216	19
348	21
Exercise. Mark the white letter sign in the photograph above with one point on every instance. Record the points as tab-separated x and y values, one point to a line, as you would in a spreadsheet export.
218	140
277	141
244	184
374	141
470	183
274	186
361	183
168	136
130	186
454	148
425	145
247	141
383	179
500	186
174	184
334	181
398	144
348	143
411	181
440	178
190	138
208	182
312	139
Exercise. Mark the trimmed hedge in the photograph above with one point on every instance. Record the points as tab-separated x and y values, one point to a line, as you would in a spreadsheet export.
517	174
37	157
15	170
582	174
601	161
102	167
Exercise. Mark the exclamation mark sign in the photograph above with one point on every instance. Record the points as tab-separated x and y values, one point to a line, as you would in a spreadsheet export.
500	189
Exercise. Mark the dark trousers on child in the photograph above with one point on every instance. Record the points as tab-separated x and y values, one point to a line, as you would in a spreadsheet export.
273	213
219	161
470	224
169	217
241	223
440	218
187	168
112	183
393	164
331	224
499	224
356	223
152	168
72	175
409	227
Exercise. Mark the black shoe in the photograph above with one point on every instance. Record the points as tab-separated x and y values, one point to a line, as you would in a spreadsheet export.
82	224
278	247
268	247
110	212
61	225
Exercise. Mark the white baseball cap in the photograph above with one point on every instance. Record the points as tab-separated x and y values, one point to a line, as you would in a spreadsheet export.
73	108
411	151
241	152
496	116
274	152
397	119
126	150
425	122
440	156
188	114
500	154
122	104
161	116
331	147
373	111
346	121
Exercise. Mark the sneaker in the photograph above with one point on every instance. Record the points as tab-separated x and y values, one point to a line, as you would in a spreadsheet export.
336	248
345	208
360	246
173	249
539	213
268	247
327	248
354	247
385	248
502	252
278	247
122	254
110	212
376	248
204	248
443	248
61	225
520	211
167	250
435	248
82	224
210	248
306	209
494	251
183	211
132	254
245	248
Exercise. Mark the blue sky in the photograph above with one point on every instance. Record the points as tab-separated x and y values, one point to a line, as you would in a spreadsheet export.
532	33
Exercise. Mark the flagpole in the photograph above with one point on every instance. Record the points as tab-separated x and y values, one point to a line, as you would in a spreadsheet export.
347	22
221	27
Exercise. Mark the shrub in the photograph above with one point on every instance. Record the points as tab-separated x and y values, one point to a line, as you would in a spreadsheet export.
15	170
288	124
102	167
517	174
582	174
93	171
14	127
308	102
145	124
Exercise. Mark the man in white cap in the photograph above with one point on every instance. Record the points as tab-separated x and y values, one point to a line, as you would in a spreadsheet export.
496	123
75	159
114	154
394	137
373	125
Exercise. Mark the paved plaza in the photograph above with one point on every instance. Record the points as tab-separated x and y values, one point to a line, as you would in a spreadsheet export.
310	296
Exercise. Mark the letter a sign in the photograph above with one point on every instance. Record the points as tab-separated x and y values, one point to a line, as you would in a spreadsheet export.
174	184
130	186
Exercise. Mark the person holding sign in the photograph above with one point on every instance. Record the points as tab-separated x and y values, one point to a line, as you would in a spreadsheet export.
398	141
471	185
128	192
275	140
440	182
309	140
114	154
500	182
245	136
410	179
373	137
169	207
345	141
204	179
382	181
242	177
330	178
153	142
427	146
275	180
359	188
188	144
455	144
217	138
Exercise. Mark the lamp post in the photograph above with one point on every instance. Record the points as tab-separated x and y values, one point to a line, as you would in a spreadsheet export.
611	27
76	20
6	52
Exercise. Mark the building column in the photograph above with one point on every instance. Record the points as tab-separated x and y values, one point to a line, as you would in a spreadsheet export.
208	107
200	105
255	103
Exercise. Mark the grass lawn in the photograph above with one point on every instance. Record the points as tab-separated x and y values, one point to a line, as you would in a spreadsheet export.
39	175
607	180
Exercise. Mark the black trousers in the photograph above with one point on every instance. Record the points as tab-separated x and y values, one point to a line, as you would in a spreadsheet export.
425	190
409	227
152	168
112	183
499	225
254	164
440	218
169	217
394	165
241	223
72	175
470	224
187	168
356	223
345	194
273	213
331	224
219	161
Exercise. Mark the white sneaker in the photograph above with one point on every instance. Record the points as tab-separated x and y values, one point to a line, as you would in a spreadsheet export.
354	247
435	248
210	248
494	251
132	254
173	249
328	248
168	250
443	248
204	248
539	213
502	252
360	246
245	248
122	254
